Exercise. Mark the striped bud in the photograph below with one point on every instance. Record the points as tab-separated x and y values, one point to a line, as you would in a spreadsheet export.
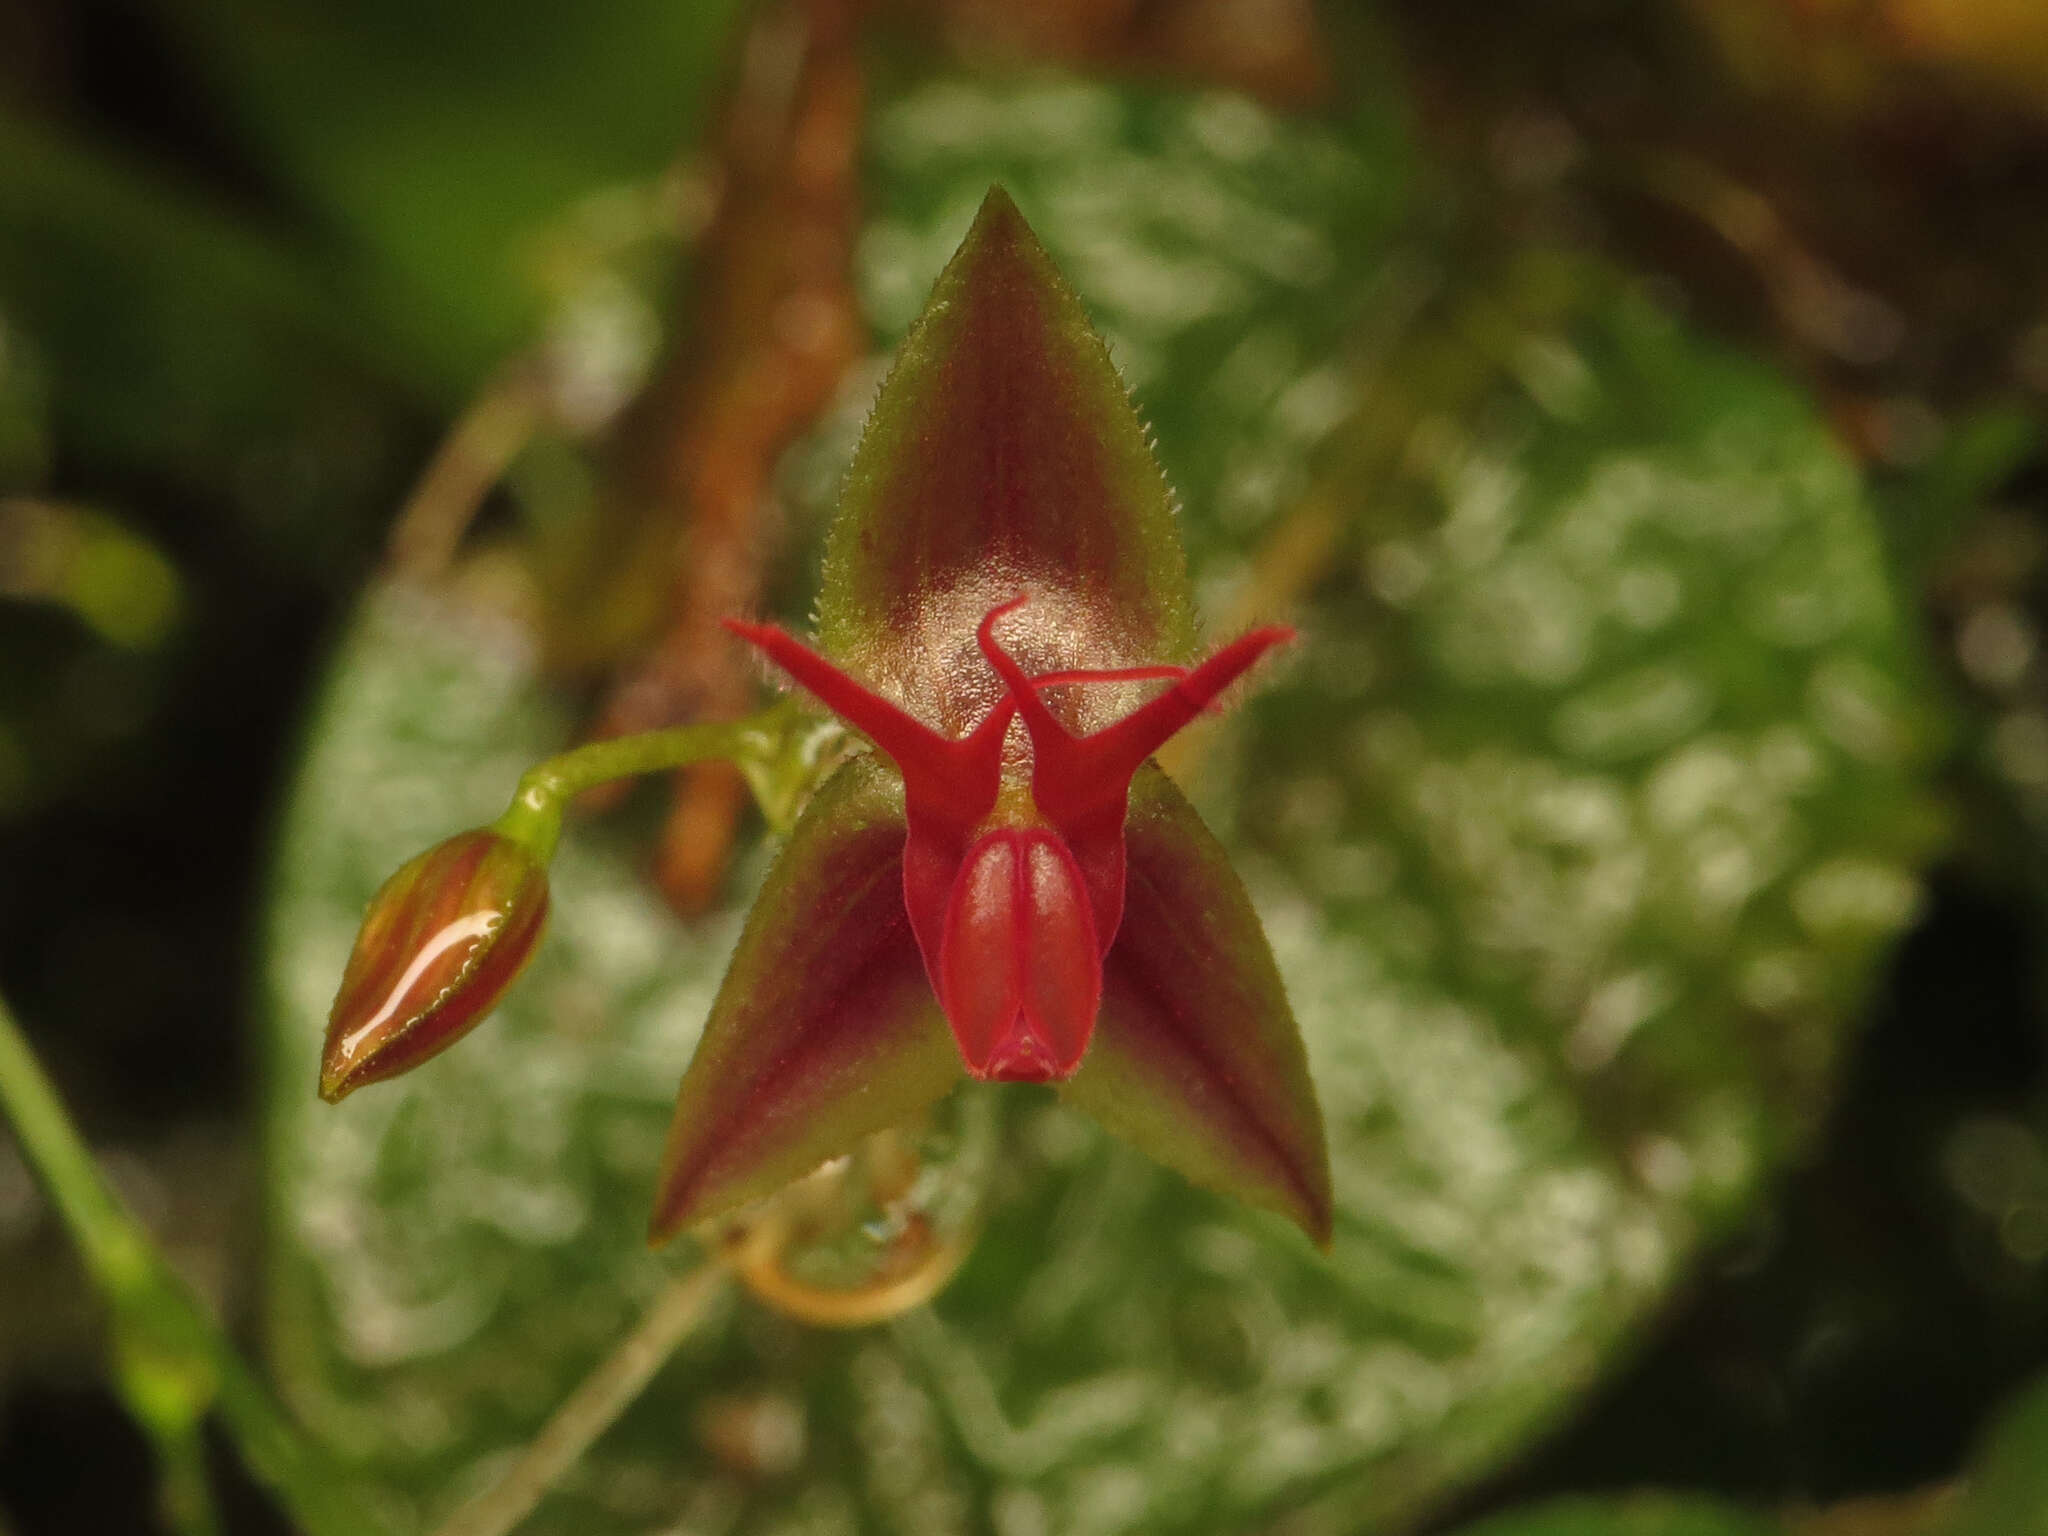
441	942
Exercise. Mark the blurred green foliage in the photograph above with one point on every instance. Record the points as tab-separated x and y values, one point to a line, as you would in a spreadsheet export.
375	116
1647	1516
2007	1491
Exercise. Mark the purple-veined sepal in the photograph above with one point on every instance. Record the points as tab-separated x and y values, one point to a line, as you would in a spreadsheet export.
824	1030
1003	455
1197	1060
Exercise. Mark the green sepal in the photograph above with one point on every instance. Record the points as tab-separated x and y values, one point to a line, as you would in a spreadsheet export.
825	1029
1196	1060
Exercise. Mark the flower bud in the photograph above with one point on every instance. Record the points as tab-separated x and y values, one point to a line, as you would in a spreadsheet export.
441	942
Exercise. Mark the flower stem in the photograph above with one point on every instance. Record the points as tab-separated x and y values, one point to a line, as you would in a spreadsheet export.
778	750
590	1410
172	1363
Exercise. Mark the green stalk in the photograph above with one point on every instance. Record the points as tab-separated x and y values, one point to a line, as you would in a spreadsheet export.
777	749
172	1363
592	1408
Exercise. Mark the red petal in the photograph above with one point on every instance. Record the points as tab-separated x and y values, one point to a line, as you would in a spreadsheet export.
951	782
1081	782
1076	777
825	1029
949	785
1197	1060
1002	454
1020	973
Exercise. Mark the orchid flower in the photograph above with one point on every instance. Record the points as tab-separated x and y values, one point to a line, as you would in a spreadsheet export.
1007	886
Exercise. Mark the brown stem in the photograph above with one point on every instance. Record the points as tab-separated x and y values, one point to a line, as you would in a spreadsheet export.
769	326
471	459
